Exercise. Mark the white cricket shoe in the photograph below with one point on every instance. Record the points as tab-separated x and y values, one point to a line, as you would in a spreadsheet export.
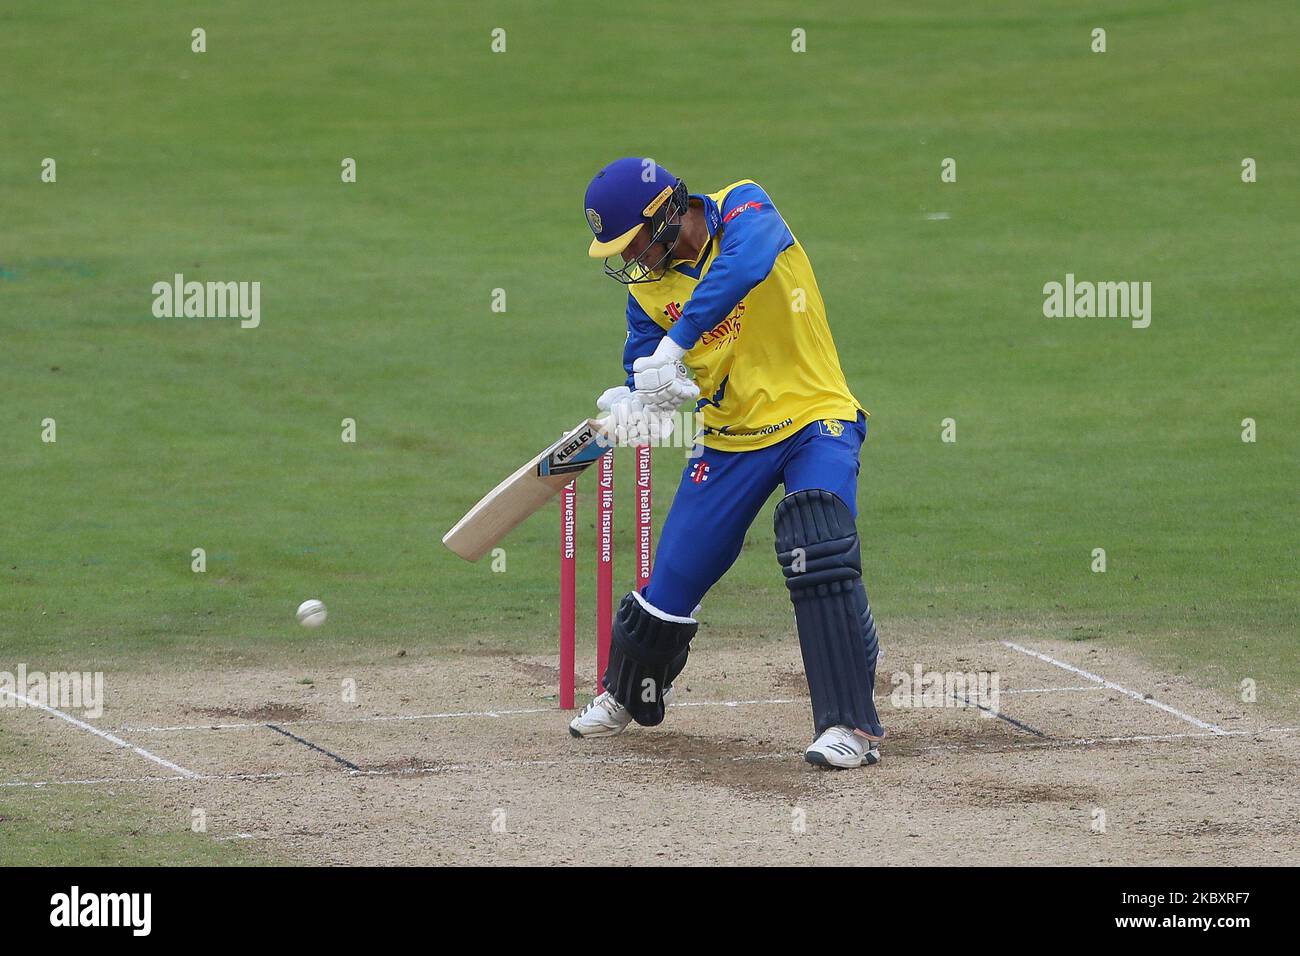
841	747
605	717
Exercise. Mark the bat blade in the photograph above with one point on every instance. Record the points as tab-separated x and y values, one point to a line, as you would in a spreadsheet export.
506	506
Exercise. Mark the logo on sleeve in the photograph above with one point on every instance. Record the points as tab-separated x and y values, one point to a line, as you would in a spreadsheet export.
741	208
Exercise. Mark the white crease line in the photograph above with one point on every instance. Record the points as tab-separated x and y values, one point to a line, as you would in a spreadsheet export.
628	760
118	741
739	703
615	760
440	716
454	714
194	778
343	720
1204	725
1092	741
1051	690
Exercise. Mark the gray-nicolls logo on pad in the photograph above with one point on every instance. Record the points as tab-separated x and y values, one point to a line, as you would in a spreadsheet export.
75	908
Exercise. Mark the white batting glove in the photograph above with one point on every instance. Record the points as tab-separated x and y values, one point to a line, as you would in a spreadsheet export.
612	396
661	379
631	422
654	427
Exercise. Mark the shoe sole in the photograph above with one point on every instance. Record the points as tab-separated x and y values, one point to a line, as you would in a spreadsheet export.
601	733
870	758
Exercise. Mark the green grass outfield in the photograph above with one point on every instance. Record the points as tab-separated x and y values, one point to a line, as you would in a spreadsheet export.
1073	434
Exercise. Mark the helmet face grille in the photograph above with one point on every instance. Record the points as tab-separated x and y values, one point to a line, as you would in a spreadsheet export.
665	228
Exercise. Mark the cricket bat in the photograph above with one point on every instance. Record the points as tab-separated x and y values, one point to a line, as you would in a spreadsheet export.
505	507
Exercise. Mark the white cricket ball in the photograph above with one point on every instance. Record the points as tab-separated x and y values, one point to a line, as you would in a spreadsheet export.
311	613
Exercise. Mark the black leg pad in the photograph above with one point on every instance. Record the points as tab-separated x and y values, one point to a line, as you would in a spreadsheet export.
820	554
645	653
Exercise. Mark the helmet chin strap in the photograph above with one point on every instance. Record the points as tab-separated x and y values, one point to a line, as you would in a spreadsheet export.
670	233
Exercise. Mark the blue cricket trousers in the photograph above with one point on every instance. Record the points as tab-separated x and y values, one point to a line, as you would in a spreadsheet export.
722	492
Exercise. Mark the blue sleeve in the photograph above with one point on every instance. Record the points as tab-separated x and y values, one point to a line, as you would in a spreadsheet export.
643	336
753	235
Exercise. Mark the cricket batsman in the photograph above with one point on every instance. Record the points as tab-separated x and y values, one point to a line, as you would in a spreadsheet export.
718	284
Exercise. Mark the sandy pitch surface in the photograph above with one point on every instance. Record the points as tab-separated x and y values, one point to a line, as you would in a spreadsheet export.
1090	758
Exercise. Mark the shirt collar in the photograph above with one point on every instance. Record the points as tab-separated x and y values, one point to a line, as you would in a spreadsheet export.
712	214
712	220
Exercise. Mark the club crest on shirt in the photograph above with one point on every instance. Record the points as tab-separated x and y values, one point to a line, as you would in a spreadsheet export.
726	331
831	427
